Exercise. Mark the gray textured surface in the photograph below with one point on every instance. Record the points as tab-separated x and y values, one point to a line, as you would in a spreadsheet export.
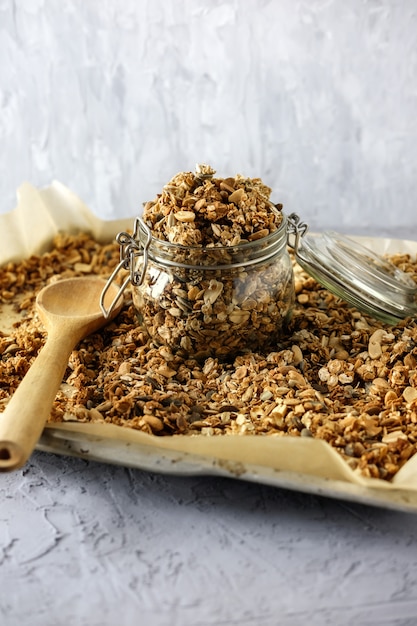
316	96
87	544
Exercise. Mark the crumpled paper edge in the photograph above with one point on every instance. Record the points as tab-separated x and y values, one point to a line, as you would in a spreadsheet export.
41	214
30	228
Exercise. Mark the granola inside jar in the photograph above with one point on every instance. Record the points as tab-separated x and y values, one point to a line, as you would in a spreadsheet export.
209	266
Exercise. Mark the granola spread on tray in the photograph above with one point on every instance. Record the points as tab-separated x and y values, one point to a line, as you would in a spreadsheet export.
337	375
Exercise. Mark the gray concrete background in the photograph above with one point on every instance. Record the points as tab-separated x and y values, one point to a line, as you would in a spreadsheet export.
318	97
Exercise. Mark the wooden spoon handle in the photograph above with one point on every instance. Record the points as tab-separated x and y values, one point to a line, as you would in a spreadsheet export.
24	418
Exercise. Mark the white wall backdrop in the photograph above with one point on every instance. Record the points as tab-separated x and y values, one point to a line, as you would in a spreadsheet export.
318	97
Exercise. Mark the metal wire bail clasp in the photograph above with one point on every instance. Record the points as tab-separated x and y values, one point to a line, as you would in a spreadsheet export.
131	248
296	230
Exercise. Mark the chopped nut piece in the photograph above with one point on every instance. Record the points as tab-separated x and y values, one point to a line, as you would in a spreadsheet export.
410	394
374	346
156	425
393	436
298	355
185	216
237	195
212	292
239	317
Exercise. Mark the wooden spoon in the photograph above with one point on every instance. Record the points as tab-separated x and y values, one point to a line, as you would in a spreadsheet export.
70	310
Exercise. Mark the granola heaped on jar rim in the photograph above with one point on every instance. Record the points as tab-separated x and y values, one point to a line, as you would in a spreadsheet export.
198	209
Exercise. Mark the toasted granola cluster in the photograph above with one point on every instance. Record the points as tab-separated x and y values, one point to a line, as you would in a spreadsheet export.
338	375
197	209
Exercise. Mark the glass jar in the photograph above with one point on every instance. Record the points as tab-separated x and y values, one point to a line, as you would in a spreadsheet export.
213	300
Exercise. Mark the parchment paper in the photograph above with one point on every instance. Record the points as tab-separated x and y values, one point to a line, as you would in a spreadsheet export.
30	228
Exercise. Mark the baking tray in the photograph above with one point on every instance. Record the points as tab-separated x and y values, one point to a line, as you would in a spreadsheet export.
65	440
300	464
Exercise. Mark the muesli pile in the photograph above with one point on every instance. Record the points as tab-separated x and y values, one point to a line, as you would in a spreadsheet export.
199	209
337	374
215	279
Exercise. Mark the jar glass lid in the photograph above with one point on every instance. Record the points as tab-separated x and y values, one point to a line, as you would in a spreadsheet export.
354	273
